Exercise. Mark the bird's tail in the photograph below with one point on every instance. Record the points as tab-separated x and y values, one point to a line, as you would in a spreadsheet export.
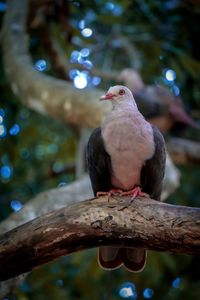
135	259
112	257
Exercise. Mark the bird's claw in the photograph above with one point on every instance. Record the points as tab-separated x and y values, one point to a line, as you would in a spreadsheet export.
113	192
135	192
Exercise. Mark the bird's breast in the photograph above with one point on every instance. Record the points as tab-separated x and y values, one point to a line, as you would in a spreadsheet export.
129	141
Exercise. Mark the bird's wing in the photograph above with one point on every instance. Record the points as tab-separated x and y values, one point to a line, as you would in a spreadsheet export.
151	180
99	163
153	171
99	167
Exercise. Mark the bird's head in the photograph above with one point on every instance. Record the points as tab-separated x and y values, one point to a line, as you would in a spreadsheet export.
119	95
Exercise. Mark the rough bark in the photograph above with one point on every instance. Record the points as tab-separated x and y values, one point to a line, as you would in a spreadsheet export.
118	222
75	192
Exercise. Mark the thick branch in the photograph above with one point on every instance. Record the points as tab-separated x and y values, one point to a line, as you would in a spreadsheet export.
96	222
40	92
76	191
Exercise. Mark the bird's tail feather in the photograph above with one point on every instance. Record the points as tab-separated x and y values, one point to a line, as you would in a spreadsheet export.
110	257
135	259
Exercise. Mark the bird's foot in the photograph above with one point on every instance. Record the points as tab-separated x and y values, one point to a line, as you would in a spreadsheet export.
110	193
135	192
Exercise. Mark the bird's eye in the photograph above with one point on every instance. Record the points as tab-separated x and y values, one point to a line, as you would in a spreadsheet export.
122	92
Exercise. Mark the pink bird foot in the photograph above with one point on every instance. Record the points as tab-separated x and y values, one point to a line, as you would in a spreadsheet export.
135	192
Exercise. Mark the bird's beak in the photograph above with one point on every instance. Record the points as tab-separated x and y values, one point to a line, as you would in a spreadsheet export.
107	96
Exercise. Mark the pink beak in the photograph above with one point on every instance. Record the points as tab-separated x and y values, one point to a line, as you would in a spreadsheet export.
107	96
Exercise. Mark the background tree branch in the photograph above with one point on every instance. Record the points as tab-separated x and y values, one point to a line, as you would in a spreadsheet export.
118	222
40	92
44	202
184	151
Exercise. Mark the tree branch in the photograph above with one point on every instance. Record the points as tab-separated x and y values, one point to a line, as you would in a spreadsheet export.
74	192
97	222
40	92
184	151
47	201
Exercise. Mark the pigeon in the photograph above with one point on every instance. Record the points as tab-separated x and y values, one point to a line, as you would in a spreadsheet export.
125	156
157	103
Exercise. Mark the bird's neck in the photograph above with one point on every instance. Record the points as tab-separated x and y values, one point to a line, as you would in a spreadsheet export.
125	106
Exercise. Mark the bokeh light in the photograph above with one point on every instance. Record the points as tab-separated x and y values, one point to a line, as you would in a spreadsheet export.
88	64
85	52
170	75
175	90
6	172
73	73
87	32
16	205
114	8
2	130
80	81
176	282
148	293
110	6
2	112
3	7
81	24
128	291
96	80
14	130
75	55
41	65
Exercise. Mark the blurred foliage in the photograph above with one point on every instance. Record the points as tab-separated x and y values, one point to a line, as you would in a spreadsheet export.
166	34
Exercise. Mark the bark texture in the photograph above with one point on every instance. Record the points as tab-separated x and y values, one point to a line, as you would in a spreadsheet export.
120	222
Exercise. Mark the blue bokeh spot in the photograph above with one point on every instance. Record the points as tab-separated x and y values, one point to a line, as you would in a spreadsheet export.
16	205
6	172
2	112
3	7
148	293
41	65
14	130
176	282
128	291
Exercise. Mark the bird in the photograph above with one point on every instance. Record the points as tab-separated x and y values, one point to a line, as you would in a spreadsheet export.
157	103
125	155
